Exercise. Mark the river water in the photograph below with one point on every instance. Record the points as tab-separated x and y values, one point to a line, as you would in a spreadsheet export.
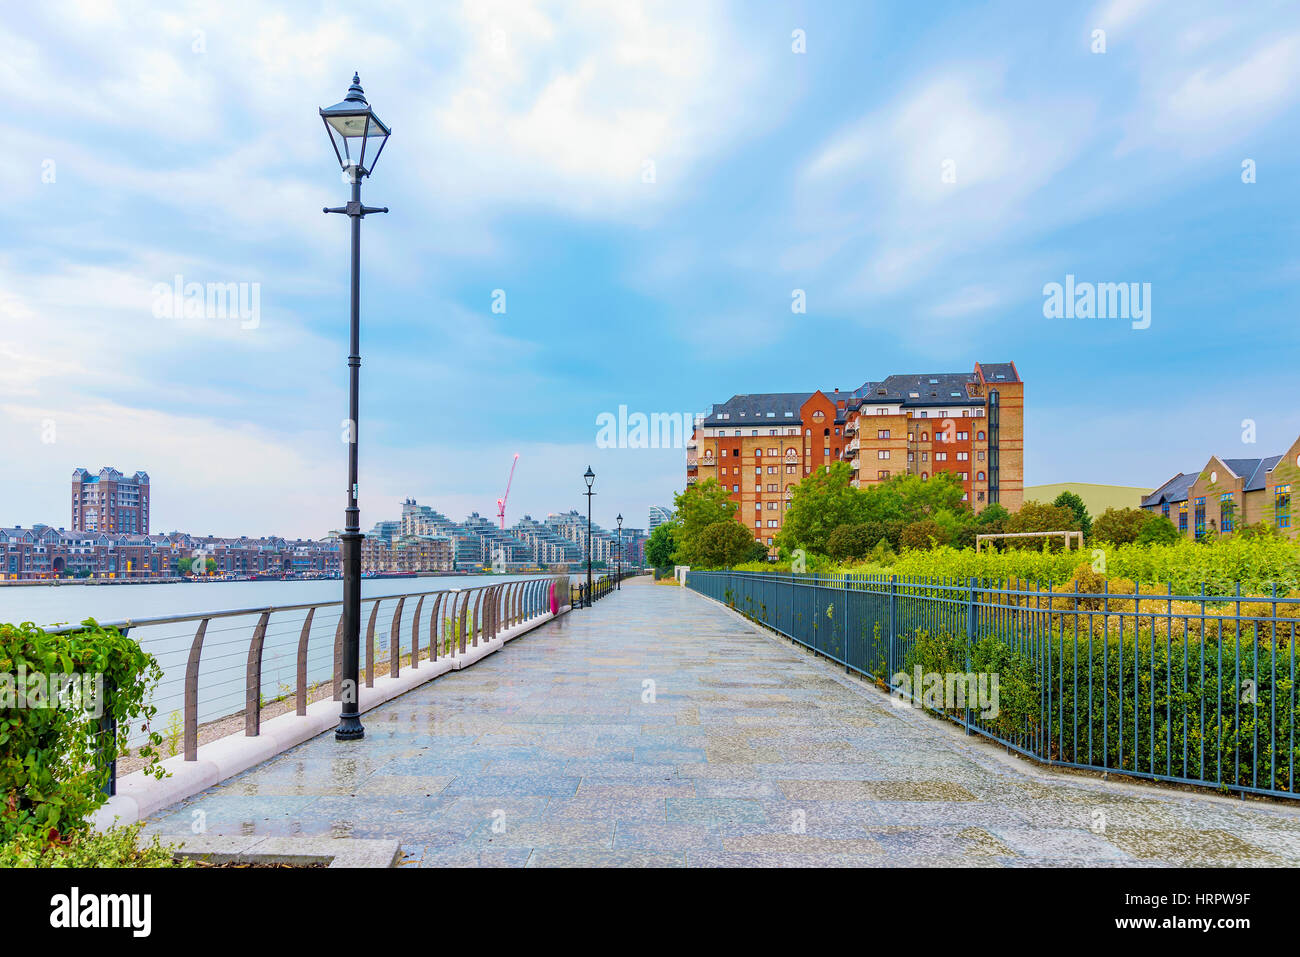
226	643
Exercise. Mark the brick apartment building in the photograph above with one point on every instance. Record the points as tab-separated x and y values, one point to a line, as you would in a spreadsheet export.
1229	493
971	424
110	502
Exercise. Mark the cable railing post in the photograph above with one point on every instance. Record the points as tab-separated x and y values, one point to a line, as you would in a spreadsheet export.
253	679
300	683
191	706
395	641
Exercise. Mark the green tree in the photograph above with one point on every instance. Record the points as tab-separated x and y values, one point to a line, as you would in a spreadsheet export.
852	541
723	544
699	506
1120	526
1075	504
211	565
821	503
659	547
1040	517
1158	530
909	498
184	565
925	534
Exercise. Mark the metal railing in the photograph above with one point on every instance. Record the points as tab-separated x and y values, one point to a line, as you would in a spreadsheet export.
600	587
1192	689
198	688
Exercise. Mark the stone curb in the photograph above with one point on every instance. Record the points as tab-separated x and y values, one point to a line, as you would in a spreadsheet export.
338	852
139	796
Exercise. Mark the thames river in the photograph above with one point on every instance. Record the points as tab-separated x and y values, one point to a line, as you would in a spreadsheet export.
225	647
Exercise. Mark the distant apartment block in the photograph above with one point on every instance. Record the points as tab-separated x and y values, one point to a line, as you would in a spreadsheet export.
110	502
658	515
1229	493
969	424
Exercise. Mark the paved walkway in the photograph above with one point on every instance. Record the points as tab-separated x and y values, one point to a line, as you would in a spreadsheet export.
749	752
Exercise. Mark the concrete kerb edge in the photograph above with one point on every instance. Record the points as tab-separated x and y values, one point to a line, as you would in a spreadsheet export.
139	796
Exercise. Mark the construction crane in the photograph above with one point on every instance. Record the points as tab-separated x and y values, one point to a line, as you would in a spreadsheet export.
501	502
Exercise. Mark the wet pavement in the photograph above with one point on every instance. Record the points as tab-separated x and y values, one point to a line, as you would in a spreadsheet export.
658	729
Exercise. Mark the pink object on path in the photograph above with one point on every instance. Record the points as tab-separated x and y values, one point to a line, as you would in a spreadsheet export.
555	608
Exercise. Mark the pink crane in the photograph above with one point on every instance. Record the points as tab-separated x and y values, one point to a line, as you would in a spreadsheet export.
501	502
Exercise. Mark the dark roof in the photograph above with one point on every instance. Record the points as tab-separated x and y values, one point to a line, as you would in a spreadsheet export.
999	371
741	409
1175	490
1257	480
1242	468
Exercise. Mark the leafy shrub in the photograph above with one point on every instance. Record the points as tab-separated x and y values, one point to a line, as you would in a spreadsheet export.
1120	526
51	769
115	847
1158	530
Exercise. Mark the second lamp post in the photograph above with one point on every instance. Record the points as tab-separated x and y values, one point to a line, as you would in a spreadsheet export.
590	477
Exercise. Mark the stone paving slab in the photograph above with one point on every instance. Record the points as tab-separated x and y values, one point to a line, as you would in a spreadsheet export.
659	729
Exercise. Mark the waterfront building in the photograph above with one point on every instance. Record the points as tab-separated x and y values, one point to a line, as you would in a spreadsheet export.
110	502
660	513
970	424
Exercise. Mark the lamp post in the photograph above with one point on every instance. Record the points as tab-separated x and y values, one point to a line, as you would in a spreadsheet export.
618	579
590	477
358	137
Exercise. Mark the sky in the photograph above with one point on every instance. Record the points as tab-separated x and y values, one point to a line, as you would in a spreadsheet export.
597	205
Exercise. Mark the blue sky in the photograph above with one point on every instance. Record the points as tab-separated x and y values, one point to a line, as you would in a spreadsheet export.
153	140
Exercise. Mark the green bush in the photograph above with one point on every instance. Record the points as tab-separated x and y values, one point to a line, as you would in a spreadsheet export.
1121	703
1254	563
116	847
52	771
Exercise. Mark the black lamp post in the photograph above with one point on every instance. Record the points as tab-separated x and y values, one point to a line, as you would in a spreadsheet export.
590	476
358	137
618	579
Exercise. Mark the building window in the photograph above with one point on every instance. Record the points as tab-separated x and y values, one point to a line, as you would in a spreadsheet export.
882	433
1227	508
1282	505
979	476
1164	510
1200	516
980	435
882	453
1182	517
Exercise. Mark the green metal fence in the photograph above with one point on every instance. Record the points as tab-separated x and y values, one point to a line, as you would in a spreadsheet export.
1185	688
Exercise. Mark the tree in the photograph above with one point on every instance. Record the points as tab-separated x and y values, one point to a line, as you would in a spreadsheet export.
210	565
851	541
184	565
909	498
1120	526
1158	530
1075	504
659	547
723	544
699	506
925	534
821	503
